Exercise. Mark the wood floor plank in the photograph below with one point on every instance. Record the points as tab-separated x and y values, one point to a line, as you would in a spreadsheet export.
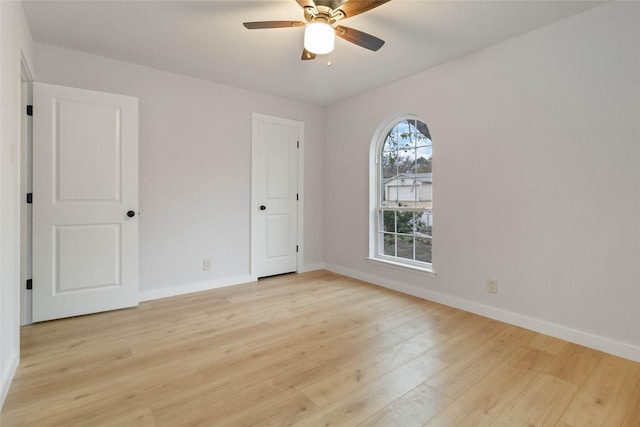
139	417
541	404
356	373
548	344
481	404
116	395
309	349
365	401
479	362
411	409
632	415
471	334
304	326
605	395
530	358
211	406
280	409
379	323
573	363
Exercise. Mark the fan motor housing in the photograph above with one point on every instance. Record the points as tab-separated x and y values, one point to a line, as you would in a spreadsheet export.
330	4
322	13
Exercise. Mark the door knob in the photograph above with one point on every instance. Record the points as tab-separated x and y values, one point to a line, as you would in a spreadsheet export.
262	207
131	214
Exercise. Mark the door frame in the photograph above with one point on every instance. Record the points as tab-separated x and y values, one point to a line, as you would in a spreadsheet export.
256	118
26	186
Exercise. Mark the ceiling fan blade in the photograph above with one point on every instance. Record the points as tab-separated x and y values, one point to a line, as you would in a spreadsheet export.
360	38
306	55
306	3
272	24
356	7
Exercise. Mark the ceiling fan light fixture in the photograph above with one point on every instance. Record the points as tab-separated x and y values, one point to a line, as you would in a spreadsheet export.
319	38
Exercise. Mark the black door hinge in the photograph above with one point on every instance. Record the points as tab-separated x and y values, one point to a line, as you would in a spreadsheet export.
296	248
29	198
298	146
297	196
29	110
29	284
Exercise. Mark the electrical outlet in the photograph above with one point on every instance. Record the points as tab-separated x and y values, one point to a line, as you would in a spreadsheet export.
492	286
206	264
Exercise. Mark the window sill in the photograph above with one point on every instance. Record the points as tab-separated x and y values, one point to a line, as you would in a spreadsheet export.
400	266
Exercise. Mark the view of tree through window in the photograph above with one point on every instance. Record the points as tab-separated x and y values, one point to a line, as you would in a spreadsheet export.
405	222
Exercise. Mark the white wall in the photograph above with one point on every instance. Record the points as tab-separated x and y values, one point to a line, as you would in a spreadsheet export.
15	41
195	165
549	124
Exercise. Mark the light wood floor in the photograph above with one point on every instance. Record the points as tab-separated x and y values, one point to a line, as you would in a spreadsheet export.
315	349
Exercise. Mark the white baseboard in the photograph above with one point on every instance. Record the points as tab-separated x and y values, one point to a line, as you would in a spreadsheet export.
311	267
7	378
586	339
186	288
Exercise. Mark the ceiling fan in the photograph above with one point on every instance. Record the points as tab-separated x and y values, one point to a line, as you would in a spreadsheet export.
321	17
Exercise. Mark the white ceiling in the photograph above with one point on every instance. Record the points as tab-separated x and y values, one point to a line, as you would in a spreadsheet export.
206	39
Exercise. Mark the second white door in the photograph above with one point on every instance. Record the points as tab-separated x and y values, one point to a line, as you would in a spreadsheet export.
275	196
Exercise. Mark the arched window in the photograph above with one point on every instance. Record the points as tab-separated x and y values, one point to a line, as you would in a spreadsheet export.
402	181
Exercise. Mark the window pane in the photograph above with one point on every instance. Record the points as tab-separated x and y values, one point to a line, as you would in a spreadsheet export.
422	132
401	190
404	222
405	247
389	221
423	249
420	223
390	143
404	136
391	194
409	204
423	160
426	224
405	161
408	222
389	244
422	141
405	143
389	165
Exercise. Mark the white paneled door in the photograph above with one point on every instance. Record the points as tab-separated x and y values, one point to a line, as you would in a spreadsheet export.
85	201
274	234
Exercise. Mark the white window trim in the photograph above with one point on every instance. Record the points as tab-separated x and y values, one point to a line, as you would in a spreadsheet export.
374	178
404	266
